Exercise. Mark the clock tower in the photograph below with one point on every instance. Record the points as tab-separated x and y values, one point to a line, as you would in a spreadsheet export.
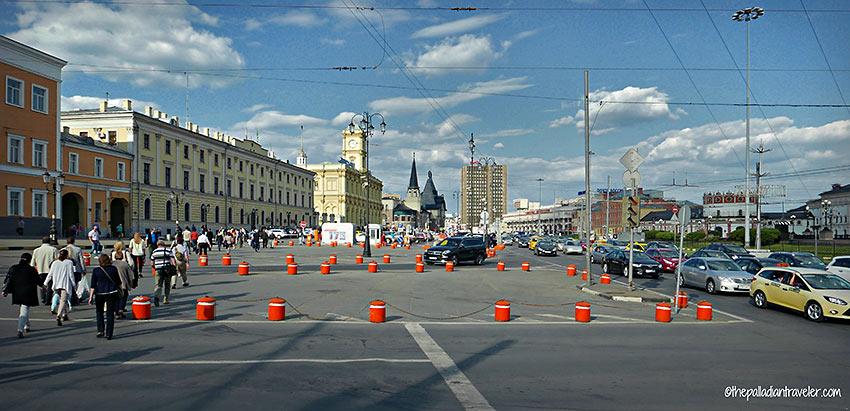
354	148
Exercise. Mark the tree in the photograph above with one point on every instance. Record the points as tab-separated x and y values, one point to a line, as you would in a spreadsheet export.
695	236
665	236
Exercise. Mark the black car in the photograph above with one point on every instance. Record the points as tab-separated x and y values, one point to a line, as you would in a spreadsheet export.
734	251
704	252
456	250
752	265
617	261
522	242
545	247
798	259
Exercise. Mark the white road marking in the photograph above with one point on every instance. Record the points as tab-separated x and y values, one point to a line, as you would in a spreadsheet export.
617	318
463	389
217	362
563	317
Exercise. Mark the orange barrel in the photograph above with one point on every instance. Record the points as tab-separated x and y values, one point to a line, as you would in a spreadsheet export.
500	246
206	308
203	260
407	247
503	310
362	245
386	258
378	245
87	258
682	300
326	268
290	258
348	245
318	243
225	259
704	311
571	269
526	266
373	267
420	267
358	258
450	266
662	312
583	311
584	274
142	308
332	259
605	279
275	243
392	246
491	254
291	243
418	258
500	266
277	309
377	311
292	269
243	268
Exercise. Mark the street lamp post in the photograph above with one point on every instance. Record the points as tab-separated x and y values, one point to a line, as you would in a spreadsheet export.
540	203
54	186
745	15
368	130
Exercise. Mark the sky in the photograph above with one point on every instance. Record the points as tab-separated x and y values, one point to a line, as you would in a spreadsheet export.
665	77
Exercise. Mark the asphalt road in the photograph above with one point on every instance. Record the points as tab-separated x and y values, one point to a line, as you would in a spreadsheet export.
330	357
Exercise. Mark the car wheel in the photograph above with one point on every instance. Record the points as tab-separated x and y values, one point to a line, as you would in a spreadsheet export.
759	299
479	260
814	312
605	268
710	287
455	261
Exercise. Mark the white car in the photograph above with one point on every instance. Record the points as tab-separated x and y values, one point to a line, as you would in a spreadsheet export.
572	247
840	266
277	233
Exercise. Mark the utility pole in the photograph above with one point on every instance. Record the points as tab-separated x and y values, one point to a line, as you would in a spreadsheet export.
608	208
758	174
587	176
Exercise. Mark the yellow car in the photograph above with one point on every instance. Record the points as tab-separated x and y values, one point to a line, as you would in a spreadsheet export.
532	243
637	246
816	293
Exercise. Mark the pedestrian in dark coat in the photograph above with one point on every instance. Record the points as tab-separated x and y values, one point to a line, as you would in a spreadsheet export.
22	281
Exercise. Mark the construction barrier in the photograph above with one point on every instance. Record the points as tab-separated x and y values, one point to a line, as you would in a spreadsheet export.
358	258
386	258
500	246
291	243
377	311
243	268
420	267
500	266
682	300
348	245
503	310
605	279
571	270
526	266
275	242
450	266
326	268
583	311
206	308
425	247
225	259
418	258
393	246
203	260
704	311
584	274
86	258
407	247
373	267
332	259
290	258
142	308
662	312
292	269
277	309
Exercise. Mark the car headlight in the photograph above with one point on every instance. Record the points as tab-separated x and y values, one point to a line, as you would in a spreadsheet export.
835	300
723	279
446	252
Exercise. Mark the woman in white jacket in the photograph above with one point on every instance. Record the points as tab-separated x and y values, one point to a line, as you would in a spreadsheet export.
62	275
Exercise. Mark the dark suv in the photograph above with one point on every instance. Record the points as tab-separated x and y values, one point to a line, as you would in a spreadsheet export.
798	259
734	251
456	250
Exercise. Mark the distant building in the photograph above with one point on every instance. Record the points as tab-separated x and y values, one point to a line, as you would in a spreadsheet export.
830	212
557	219
727	204
484	189
420	210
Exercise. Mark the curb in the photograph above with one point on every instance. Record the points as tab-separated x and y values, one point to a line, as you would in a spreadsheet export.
624	298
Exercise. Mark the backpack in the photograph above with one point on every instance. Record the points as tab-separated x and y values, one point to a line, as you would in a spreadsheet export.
179	256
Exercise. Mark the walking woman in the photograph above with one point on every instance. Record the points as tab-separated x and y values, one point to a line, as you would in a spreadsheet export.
22	282
126	274
62	275
106	289
137	254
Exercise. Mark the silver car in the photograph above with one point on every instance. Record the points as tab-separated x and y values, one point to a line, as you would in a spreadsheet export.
715	274
572	247
597	253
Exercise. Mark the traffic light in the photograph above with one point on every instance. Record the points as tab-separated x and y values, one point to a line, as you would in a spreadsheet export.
633	216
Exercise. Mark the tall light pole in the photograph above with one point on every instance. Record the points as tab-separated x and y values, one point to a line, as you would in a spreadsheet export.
745	15
53	187
539	203
368	130
486	161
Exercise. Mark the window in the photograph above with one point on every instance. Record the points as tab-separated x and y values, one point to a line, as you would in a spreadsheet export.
215	161
262	193
230	215
262	172
98	209
121	168
186	214
38	202
147	212
16	201
229	166
185	180
13	91
201	154
201	183
98	168
16	149
252	169
241	190
185	151
39	153
84	133
217	214
229	190
240	166
287	179
252	191
146	141
287	198
215	189
168	211
39	99
73	163
167	146
113	137
146	173
168	178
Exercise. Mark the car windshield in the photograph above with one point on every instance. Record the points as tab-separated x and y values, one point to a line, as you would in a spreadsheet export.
715	253
826	282
666	245
641	254
572	242
736	249
545	244
723	266
808	259
453	242
668	253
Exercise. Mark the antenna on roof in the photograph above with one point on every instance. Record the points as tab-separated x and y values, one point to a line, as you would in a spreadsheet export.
107	99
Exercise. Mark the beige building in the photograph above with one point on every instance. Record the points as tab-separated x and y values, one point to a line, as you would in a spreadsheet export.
484	188
340	188
192	176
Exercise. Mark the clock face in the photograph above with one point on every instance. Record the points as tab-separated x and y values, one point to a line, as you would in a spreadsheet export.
352	143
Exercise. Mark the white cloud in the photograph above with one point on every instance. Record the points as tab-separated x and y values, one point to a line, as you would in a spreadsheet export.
334	42
498	145
464	51
509	132
619	108
458	26
447	127
123	36
268	120
256	107
525	34
563	121
343	119
89	102
298	18
467	92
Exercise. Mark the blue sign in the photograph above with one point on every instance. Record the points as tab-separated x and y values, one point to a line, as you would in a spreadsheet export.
346	162
582	192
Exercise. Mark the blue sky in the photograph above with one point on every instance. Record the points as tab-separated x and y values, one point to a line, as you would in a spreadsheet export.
510	72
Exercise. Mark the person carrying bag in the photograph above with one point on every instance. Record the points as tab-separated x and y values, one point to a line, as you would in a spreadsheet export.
106	290
163	261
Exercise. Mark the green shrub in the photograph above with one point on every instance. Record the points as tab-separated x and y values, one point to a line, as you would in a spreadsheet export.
650	234
665	236
695	236
769	236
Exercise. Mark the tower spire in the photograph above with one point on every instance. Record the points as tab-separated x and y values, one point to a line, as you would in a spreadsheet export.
414	180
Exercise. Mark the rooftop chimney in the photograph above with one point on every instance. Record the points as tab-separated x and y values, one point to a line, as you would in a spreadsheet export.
149	111
155	113
66	129
103	105
127	104
207	131
836	186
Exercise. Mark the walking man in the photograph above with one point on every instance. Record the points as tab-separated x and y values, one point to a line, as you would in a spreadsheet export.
21	282
94	237
166	266
42	257
181	256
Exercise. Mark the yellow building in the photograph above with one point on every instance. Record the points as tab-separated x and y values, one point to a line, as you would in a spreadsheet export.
191	176
340	188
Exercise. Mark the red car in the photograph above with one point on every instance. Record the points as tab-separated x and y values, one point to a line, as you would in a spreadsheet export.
668	258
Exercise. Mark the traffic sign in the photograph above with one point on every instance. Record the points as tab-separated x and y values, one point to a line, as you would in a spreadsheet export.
303	224
632	159
484	216
631	178
685	215
675	209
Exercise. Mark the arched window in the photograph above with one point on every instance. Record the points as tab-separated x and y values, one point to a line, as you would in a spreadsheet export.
217	214
263	217
241	216
168	210
186	209
147	209
229	215
203	213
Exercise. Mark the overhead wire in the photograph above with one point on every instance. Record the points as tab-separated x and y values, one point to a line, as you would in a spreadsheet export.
823	53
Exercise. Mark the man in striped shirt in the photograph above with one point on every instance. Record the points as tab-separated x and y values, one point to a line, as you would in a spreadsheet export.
165	265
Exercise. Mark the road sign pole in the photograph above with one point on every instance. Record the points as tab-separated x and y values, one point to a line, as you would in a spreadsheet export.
632	248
